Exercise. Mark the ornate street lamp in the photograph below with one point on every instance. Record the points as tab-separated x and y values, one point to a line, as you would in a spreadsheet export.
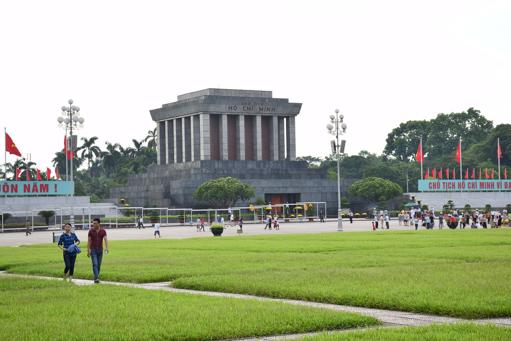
337	127
70	120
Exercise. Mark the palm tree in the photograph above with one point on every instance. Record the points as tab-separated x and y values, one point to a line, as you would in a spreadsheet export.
151	138
88	150
59	162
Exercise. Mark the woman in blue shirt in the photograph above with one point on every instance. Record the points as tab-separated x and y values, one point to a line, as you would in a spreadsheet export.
66	240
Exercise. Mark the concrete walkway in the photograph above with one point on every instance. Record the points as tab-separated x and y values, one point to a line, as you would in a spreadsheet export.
181	232
387	317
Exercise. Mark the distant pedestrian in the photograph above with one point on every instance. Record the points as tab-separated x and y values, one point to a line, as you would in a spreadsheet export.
321	217
276	224
67	243
157	230
240	223
28	231
375	222
387	220
202	223
416	222
97	236
140	223
350	215
268	222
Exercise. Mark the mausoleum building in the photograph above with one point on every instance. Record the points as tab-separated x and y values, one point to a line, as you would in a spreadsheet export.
211	133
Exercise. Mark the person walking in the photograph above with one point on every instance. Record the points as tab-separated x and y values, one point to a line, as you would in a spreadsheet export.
350	215
268	222
140	224
387	220
240	223
321	217
67	243
27	230
416	222
157	230
97	236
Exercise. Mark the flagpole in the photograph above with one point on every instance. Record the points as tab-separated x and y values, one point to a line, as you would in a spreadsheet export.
461	162
422	160
498	155
5	153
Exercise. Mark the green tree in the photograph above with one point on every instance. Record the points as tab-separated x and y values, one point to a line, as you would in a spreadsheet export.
151	139
88	150
46	215
440	135
375	189
223	192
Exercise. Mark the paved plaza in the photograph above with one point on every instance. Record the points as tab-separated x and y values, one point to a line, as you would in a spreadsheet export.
180	232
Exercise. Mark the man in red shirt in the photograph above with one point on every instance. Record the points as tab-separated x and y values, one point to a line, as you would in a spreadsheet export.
95	247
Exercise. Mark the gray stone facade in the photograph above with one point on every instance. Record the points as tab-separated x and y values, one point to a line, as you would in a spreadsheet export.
214	133
173	186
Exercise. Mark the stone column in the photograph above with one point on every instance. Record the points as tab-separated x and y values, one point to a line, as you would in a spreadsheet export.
282	139
174	127
240	147
158	146
274	147
224	140
205	150
258	142
291	138
191	138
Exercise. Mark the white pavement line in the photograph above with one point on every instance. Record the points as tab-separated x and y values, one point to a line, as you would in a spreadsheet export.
387	317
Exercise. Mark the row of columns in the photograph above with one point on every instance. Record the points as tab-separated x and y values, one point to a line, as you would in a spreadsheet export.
191	138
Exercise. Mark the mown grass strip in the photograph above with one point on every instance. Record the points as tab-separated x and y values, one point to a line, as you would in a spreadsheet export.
455	332
53	310
454	273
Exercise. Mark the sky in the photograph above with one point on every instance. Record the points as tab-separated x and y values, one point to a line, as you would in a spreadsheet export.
379	62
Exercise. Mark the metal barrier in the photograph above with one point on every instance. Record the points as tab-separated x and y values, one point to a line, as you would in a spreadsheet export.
115	217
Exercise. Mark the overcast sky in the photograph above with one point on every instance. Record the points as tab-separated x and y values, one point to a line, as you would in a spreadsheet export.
379	62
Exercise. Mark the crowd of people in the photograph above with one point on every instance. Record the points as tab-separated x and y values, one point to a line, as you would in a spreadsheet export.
453	219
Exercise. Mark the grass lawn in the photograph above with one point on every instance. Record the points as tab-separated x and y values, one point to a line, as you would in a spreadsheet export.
457	332
54	310
456	273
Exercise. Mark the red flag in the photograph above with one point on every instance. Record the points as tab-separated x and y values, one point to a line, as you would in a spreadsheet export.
505	173
493	173
480	173
440	174
499	151
69	153
447	173
10	146
419	156
433	173
48	173
27	174
458	153
453	173
473	173
486	175
427	174
38	176
18	173
466	173
57	173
